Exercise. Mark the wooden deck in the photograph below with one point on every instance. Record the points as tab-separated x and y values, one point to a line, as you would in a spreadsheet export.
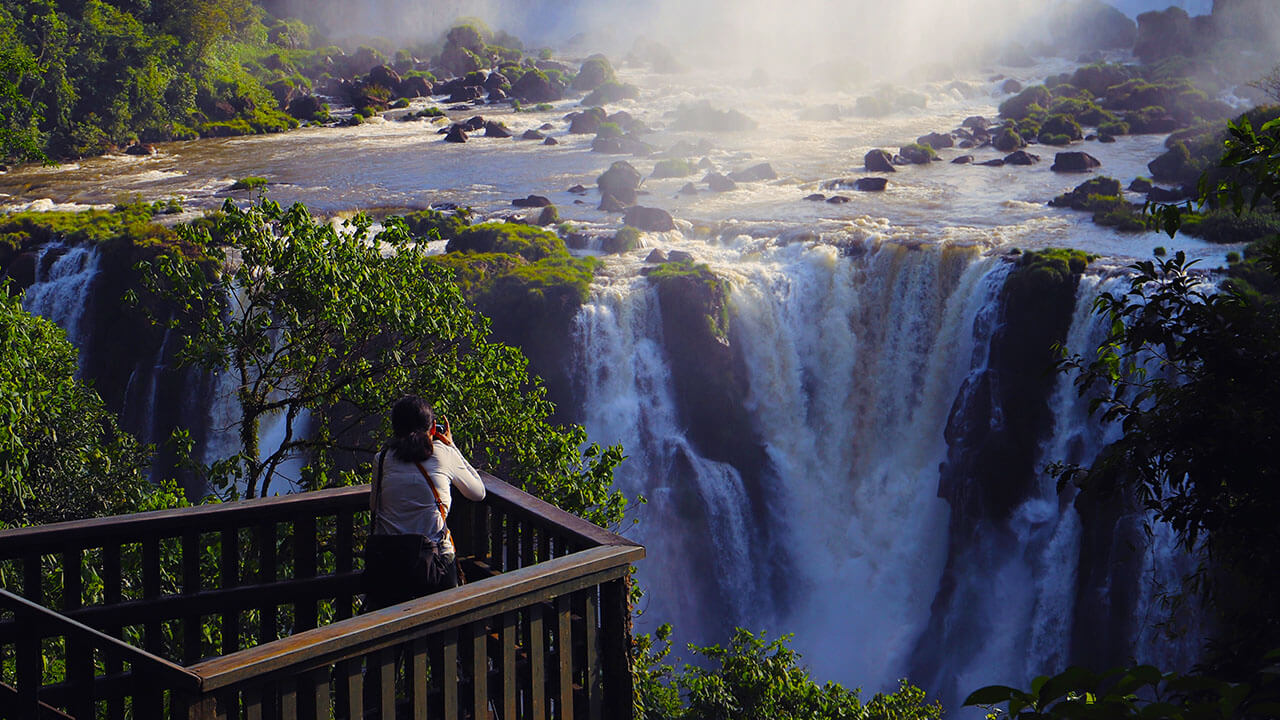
250	610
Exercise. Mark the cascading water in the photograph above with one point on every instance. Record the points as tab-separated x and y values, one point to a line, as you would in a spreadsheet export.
860	367
64	277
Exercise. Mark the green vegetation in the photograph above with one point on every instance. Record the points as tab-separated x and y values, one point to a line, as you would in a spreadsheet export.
696	280
1079	198
250	183
446	226
754	679
1061	126
531	243
673	167
1050	267
595	71
352	320
625	240
62	454
1029	101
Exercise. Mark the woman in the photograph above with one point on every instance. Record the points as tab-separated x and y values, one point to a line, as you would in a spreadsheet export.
410	551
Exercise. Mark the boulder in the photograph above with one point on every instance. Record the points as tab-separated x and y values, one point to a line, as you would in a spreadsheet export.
141	149
838	199
689	189
962	160
578	190
384	76
532	201
586	122
493	128
456	134
549	216
497	95
474	123
763	171
1163	34
1011	86
466	93
878	161
916	154
1008	140
656	256
1021	157
648	219
871	184
702	117
415	86
1141	185
1166	195
495	81
595	71
551	141
816	197
1106	139
998	162
1074	162
677	256
1088	26
532	134
620	182
976	122
1078	199
22	269
719	183
536	87
609	203
937	141
305	107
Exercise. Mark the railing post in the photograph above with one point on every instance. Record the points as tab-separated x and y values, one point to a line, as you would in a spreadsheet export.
194	706
616	649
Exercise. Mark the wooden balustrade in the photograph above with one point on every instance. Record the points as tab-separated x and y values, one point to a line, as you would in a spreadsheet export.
249	610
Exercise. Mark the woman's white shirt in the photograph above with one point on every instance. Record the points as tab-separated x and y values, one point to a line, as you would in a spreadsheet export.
407	506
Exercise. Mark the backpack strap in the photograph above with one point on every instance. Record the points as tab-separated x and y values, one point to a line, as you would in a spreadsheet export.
375	500
444	520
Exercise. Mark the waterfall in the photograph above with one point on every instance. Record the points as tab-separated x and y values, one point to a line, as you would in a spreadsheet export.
64	277
866	368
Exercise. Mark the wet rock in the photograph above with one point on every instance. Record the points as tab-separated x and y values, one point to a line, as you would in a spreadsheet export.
305	107
937	141
551	141
495	81
689	189
816	197
916	155
966	144
1105	139
1078	199
719	183
1141	185
962	160
466	94
1011	86
871	184
416	86
620	182
706	164
141	149
838	199
1007	140
1074	162
532	201
878	161
609	203
578	190
1021	157
493	128
497	95
549	216
22	269
976	122
998	162
546	126
455	134
755	173
656	256
676	256
1166	195
586	122
649	219
532	134
384	76
536	87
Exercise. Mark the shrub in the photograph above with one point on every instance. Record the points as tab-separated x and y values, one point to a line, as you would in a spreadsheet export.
250	183
1233	257
446	225
626	239
1223	226
673	167
527	241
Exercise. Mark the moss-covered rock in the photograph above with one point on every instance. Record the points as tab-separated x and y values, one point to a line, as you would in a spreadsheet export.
917	154
1224	226
1061	125
594	72
611	92
625	240
1025	103
446	225
530	242
1079	198
673	167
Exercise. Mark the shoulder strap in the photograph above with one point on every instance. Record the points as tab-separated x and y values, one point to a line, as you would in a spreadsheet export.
439	504
377	492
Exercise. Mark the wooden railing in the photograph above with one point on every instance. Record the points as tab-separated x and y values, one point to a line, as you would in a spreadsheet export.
249	610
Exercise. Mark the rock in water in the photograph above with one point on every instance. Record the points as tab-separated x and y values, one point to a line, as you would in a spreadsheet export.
1074	162
962	160
1021	157
871	184
649	219
656	256
551	141
719	183
532	135
619	182
763	171
879	161
456	134
533	201
816	197
493	128
937	141
838	199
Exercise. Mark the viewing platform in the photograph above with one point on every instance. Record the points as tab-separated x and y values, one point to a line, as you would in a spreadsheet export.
248	610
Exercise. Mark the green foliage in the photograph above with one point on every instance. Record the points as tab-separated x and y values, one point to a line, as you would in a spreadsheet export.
609	130
1142	692
445	226
252	182
626	239
673	167
316	319
62	454
1049	267
129	221
530	242
1061	125
702	283
1113	128
1224	226
755	679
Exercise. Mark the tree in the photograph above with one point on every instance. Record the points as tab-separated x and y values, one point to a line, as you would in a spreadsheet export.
1189	371
337	324
62	454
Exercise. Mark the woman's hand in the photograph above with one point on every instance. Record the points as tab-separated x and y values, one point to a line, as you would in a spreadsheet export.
447	434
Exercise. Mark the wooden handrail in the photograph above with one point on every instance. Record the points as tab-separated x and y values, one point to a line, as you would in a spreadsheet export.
521	504
141	661
416	617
